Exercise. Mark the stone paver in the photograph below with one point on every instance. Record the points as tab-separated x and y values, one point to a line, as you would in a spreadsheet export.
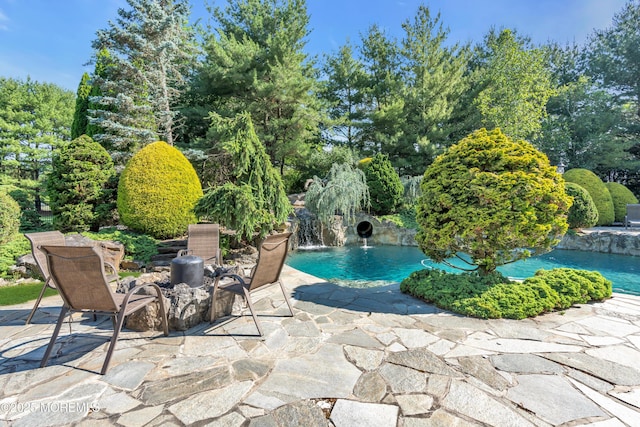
349	357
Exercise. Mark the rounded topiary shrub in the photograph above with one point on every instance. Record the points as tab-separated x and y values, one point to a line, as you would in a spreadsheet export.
157	192
583	212
9	217
385	188
621	197
493	198
597	190
76	185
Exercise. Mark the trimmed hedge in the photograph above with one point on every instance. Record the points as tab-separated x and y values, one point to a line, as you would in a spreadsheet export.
583	212
621	197
494	296
597	190
157	192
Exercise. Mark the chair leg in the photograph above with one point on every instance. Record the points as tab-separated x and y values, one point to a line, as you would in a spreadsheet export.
286	299
214	294
56	331
163	314
35	306
114	339
253	313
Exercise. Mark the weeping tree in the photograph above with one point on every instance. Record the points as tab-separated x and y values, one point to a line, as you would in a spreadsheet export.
249	195
343	192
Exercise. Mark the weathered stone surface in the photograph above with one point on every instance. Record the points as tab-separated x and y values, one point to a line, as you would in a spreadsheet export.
249	369
175	388
326	373
128	375
525	364
442	418
347	413
608	241
140	417
402	379
303	413
422	360
414	404
468	400
370	387
209	404
364	359
481	368
603	369
233	419
552	398
356	337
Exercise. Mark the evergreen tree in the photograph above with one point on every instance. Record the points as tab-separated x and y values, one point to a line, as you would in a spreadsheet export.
80	121
256	64
151	50
343	90
433	75
250	198
383	94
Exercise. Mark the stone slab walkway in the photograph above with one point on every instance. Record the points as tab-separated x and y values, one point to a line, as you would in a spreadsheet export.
349	357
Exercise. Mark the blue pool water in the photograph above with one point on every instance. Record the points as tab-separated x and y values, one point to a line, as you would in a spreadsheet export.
394	263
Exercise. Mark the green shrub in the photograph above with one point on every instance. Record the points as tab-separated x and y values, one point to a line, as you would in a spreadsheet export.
10	251
137	247
157	192
583	212
597	190
621	197
9	217
492	198
80	171
385	188
494	296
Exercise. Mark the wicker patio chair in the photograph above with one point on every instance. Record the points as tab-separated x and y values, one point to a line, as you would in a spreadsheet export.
78	273
54	238
204	242
272	254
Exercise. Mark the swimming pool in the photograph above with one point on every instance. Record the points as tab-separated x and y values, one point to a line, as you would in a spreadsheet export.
360	266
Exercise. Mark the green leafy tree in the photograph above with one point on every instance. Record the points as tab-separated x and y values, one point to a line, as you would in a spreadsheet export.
515	84
9	218
384	117
343	90
34	119
151	50
256	64
621	197
76	185
250	198
385	188
492	198
613	54
583	213
343	192
597	190
157	192
432	71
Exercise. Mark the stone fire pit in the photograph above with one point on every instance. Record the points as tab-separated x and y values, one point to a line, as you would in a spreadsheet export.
186	306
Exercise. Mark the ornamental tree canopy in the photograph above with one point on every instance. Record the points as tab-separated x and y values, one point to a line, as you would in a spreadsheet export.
492	198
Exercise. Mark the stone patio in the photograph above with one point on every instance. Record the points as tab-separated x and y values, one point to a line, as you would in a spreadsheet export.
349	357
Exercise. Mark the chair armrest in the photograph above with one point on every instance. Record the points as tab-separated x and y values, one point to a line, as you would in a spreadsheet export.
113	275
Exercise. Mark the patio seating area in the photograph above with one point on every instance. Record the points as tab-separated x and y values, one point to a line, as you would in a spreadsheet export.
348	357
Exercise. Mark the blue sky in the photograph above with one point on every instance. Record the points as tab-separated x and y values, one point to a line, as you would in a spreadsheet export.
50	40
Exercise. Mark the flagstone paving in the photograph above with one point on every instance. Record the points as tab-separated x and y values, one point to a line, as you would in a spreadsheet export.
349	357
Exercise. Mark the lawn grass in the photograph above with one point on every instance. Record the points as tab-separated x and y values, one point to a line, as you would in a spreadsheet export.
17	294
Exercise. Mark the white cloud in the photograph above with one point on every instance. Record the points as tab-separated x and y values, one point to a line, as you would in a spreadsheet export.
3	20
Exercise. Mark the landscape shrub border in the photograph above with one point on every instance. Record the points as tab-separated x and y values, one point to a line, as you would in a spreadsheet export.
494	296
